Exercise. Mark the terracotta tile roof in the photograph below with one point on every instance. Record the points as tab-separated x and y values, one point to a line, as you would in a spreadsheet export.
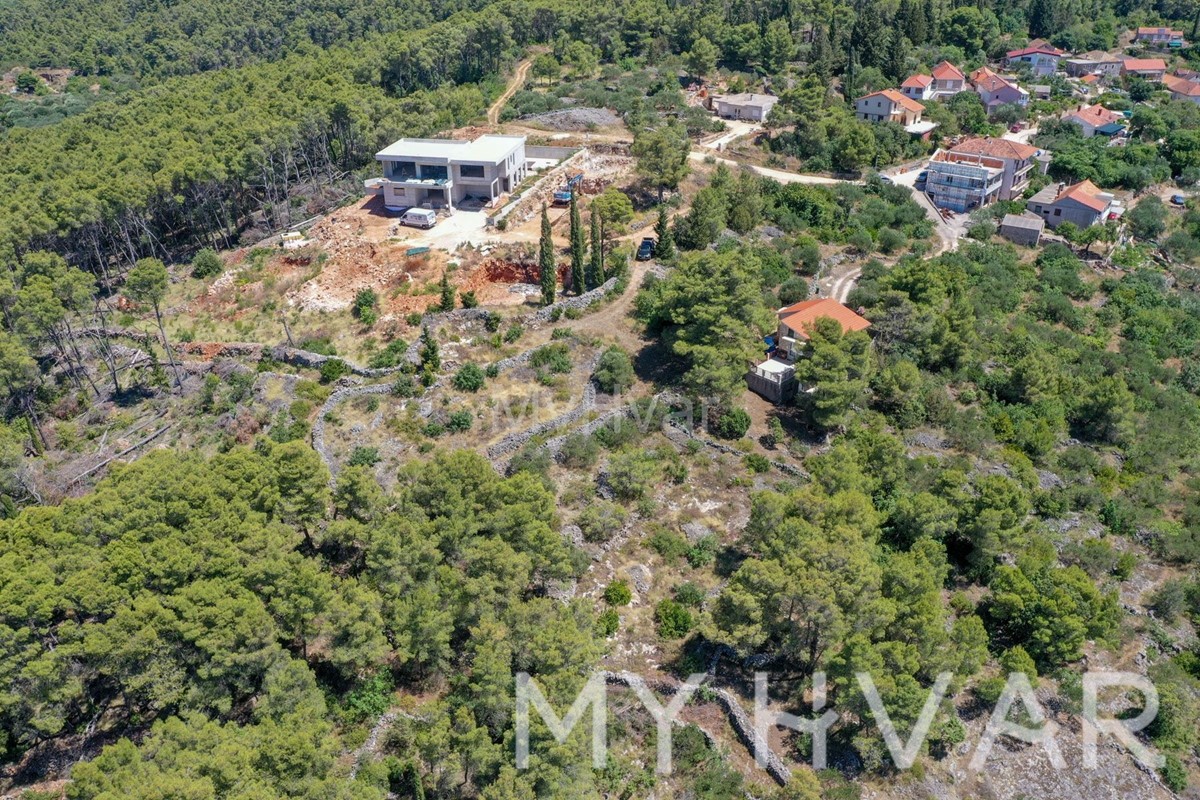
1089	78
799	316
946	71
1158	32
1095	116
1042	43
896	97
996	148
1086	193
983	78
916	82
1028	51
1144	65
1182	86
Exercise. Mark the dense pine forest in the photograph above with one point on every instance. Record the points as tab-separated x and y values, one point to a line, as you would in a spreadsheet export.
214	583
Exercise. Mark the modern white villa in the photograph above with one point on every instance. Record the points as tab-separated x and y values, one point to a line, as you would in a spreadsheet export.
444	173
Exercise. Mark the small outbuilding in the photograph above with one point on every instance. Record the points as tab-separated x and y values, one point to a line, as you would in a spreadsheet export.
1023	229
753	107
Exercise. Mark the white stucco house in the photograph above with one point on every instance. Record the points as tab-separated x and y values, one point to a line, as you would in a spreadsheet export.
748	106
443	173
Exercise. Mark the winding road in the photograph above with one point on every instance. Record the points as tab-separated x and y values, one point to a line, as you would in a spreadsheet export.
514	85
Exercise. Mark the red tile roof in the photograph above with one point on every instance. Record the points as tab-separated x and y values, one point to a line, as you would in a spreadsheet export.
946	71
916	82
799	316
896	97
1159	32
1181	86
983	78
1095	116
996	148
1086	193
1089	78
1144	65
1028	51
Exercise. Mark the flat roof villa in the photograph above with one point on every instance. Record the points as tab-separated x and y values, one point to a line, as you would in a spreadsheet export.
437	173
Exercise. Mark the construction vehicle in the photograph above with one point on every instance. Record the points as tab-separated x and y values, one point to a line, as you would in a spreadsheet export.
562	196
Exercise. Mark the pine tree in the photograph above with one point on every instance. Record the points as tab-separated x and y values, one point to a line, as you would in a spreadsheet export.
664	250
869	37
896	65
595	266
447	301
431	357
578	247
930	21
911	20
546	259
820	60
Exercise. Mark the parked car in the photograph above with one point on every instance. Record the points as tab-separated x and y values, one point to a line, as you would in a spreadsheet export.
1178	200
645	250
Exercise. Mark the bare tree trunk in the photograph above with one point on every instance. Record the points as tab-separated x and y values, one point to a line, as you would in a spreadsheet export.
167	346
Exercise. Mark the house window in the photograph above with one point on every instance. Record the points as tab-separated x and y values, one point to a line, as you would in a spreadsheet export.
470	170
1058	212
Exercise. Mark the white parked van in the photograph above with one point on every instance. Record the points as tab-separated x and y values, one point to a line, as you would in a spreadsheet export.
419	218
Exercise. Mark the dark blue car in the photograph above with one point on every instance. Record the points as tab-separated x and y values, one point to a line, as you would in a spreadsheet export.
645	250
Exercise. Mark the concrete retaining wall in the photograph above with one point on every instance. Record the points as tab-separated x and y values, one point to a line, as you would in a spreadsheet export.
549	151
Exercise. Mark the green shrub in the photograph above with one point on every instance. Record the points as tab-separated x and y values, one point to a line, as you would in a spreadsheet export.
434	430
668	544
631	474
579	451
514	332
469	378
600	520
207	264
555	357
333	369
364	457
756	462
389	356
673	620
608	622
404	386
1015	659
366	302
414	319
618	593
732	424
1174	774
459	421
614	373
703	552
689	594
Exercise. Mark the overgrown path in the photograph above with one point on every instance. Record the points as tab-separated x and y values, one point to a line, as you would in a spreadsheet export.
514	85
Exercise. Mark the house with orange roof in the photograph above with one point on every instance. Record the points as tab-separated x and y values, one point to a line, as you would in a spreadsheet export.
775	378
1182	88
978	172
1041	57
948	80
888	106
996	91
1084	204
918	87
1152	69
1093	119
1160	37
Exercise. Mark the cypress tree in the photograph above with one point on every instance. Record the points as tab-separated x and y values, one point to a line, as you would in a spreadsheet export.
664	250
595	267
578	248
546	259
447	293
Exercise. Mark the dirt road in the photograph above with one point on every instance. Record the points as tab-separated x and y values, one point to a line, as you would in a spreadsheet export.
514	85
767	172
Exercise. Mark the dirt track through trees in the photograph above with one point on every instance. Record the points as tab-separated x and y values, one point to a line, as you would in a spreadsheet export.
514	85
